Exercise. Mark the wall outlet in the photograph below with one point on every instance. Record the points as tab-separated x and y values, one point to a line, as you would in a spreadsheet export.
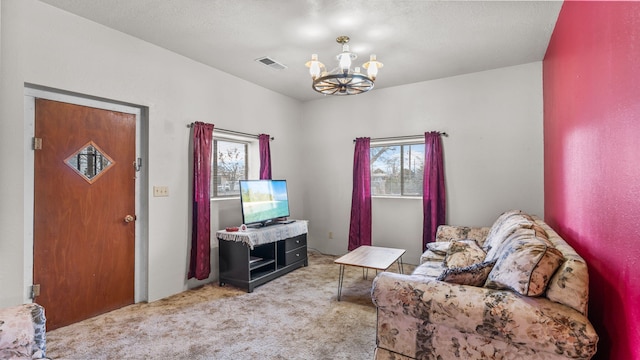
330	234
160	191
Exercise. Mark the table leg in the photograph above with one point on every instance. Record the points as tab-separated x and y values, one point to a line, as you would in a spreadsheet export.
400	265
340	278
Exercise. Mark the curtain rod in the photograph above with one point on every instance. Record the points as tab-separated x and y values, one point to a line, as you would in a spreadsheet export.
233	132
406	137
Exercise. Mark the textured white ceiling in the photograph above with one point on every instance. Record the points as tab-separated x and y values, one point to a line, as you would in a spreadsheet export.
417	40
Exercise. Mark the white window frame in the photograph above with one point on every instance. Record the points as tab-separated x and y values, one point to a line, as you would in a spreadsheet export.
252	160
419	140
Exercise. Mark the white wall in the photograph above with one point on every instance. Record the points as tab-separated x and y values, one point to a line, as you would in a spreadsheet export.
46	46
493	155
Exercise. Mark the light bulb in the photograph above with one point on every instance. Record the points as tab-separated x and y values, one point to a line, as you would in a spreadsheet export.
315	67
345	61
372	67
372	71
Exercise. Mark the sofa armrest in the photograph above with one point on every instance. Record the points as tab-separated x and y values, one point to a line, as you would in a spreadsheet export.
411	308
22	332
452	232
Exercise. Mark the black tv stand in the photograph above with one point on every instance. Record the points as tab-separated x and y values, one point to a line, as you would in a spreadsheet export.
247	268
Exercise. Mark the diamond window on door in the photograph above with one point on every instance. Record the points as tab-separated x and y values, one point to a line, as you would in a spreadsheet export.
90	162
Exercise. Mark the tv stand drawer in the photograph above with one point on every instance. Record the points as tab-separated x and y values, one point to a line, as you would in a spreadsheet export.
293	256
294	242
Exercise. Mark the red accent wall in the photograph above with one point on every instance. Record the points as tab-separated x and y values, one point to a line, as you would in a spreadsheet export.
591	81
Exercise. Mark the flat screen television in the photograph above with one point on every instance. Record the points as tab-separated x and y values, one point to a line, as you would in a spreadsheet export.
263	201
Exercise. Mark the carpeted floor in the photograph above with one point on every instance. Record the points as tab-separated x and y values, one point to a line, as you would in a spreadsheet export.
293	317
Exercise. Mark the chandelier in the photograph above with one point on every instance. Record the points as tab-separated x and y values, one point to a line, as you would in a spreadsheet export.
343	80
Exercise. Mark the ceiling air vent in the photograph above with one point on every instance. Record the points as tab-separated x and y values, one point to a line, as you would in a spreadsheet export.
270	63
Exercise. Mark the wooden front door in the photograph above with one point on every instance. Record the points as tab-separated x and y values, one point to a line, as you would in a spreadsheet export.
84	203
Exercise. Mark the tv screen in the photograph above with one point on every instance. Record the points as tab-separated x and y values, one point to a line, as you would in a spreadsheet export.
263	201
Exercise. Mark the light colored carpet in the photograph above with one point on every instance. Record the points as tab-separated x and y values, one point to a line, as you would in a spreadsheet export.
295	316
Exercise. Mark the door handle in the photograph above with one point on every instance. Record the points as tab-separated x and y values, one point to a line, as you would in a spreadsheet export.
129	218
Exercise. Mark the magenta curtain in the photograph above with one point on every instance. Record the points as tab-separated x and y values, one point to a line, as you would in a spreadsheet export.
200	264
360	227
265	156
433	195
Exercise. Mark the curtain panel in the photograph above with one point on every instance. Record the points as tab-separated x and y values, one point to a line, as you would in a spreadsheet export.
265	156
200	263
360	226
433	195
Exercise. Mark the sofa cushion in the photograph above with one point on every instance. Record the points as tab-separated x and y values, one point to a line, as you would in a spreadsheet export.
463	253
474	275
525	264
446	233
497	226
540	231
502	228
430	268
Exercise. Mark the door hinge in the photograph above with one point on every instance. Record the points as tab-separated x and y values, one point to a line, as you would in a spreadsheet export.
137	164
35	290
37	143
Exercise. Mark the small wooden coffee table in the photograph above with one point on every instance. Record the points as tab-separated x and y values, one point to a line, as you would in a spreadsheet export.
369	257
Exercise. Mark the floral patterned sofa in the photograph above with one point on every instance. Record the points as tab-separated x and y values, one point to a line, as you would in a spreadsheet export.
515	290
22	332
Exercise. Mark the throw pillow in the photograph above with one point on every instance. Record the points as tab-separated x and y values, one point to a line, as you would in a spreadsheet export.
474	275
439	247
463	253
525	264
430	256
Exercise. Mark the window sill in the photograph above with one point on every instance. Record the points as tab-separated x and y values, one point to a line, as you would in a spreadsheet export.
235	198
396	197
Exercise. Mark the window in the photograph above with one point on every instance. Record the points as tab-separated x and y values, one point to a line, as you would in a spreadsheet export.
229	165
397	170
